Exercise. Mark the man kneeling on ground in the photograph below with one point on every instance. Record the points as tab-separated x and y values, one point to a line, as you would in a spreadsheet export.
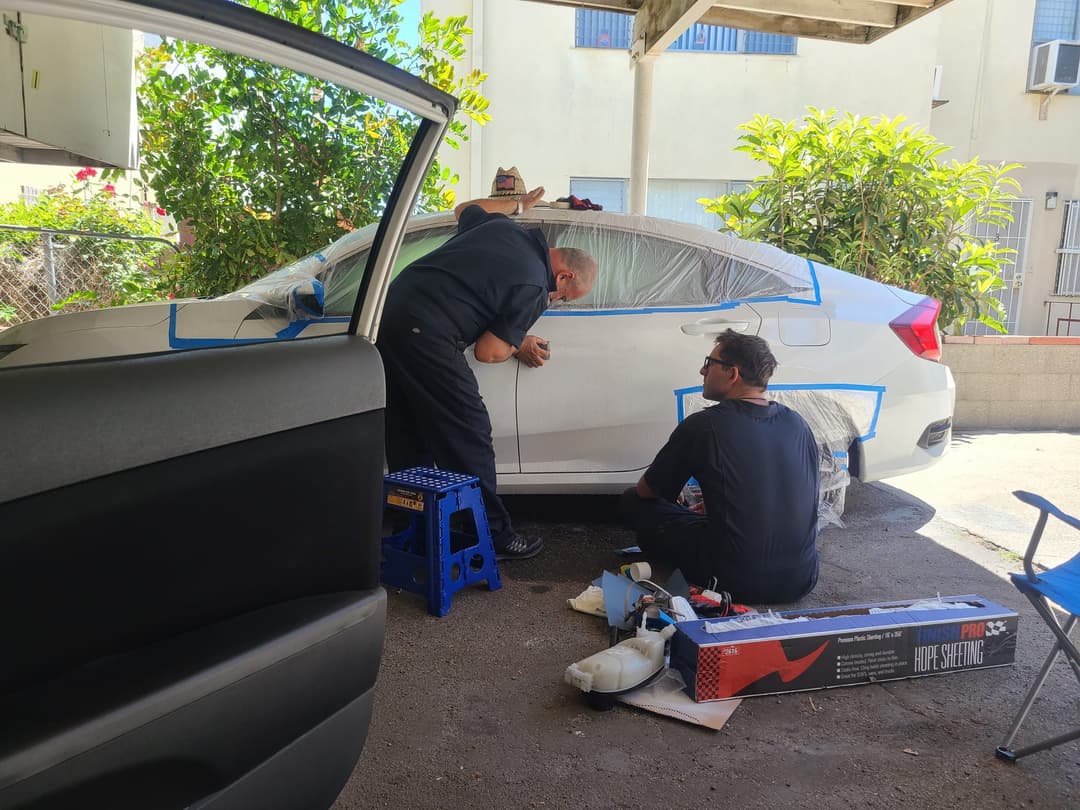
757	464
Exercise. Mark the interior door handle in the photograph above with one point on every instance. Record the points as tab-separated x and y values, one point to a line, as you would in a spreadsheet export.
713	326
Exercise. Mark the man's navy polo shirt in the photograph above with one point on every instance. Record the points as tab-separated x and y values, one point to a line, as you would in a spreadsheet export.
493	275
758	471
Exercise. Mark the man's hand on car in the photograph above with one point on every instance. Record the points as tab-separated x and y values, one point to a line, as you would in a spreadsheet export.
533	351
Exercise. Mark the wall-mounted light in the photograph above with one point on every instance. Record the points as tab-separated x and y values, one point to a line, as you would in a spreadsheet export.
1051	200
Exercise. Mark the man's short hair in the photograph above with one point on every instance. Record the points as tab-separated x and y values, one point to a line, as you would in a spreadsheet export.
582	264
750	354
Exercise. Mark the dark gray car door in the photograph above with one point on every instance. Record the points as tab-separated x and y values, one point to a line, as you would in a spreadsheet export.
189	540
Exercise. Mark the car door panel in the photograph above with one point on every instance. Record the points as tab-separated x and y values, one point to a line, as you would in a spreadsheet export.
498	387
206	541
584	412
131	732
189	551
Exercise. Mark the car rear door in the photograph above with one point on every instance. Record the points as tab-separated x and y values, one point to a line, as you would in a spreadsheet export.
189	553
624	360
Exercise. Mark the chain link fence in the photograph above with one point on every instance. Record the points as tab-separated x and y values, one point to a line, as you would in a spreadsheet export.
43	268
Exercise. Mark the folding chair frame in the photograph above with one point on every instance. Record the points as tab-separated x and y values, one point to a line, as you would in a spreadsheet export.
1062	644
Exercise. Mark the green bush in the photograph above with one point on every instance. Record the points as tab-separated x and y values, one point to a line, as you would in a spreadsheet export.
264	164
870	196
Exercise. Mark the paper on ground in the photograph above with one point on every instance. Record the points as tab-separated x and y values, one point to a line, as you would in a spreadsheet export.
666	696
590	601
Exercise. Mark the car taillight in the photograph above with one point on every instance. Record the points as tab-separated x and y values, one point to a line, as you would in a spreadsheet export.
918	329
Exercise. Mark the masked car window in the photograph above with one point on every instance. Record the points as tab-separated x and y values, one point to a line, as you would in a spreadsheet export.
642	269
342	279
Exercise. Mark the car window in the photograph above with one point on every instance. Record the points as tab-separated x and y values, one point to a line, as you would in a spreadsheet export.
343	279
640	269
227	229
339	268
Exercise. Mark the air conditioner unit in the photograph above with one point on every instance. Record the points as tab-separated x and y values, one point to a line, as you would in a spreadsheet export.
1055	65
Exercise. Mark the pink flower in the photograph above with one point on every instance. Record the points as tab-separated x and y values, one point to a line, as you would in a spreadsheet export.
85	174
160	211
111	189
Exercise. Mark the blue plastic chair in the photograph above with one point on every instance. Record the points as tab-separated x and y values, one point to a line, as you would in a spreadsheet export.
1060	585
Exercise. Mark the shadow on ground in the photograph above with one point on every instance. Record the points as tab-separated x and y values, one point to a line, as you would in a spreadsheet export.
471	709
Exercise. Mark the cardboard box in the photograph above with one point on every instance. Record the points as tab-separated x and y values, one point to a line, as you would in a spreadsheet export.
843	646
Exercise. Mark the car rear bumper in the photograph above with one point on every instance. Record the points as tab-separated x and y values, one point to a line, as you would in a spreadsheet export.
912	431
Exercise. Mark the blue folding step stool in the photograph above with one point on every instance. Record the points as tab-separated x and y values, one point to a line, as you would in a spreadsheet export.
428	557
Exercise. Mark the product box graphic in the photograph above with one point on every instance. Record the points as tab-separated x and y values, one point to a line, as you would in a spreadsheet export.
819	648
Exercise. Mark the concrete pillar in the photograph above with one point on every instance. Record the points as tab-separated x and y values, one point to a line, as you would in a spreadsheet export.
641	132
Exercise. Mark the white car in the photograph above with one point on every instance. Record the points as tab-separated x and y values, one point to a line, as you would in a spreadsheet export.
859	359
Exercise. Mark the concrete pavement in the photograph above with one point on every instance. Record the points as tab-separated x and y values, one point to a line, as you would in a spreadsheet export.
471	709
971	487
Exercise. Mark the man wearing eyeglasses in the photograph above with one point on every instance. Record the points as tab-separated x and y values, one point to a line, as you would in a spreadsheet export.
485	288
757	464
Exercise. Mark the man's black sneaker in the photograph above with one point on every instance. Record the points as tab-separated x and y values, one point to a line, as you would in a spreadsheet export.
520	547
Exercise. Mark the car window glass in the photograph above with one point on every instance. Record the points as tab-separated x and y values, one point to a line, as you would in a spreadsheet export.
250	175
342	278
643	269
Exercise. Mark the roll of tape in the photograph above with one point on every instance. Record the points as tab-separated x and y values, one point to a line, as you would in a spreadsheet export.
640	571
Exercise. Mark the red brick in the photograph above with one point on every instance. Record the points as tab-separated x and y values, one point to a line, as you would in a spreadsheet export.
1002	340
1050	340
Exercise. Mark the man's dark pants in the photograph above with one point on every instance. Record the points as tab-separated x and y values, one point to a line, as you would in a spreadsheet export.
435	415
673	534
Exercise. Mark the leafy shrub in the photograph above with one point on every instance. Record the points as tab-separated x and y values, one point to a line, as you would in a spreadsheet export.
870	196
263	164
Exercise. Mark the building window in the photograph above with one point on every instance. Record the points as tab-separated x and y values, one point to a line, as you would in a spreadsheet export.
1056	19
678	199
611	29
603	29
610	192
1068	273
667	199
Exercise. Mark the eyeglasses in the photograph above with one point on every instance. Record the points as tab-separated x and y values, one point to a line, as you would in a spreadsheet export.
712	361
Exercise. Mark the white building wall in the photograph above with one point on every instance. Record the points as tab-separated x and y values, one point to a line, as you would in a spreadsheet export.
560	112
984	48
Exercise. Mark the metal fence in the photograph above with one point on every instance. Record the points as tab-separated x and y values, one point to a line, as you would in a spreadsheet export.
1068	271
1062	318
41	268
1014	236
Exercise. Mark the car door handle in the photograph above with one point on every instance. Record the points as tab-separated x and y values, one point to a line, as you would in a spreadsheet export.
713	326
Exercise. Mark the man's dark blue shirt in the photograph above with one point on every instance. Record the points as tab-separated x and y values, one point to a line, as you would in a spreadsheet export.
493	275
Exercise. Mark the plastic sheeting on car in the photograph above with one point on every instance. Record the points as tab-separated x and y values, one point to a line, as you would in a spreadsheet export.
644	262
655	263
299	290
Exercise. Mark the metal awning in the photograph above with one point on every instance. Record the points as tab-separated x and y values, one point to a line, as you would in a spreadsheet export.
658	23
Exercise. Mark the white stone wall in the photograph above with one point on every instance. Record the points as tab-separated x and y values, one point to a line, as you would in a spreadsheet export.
1015	382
